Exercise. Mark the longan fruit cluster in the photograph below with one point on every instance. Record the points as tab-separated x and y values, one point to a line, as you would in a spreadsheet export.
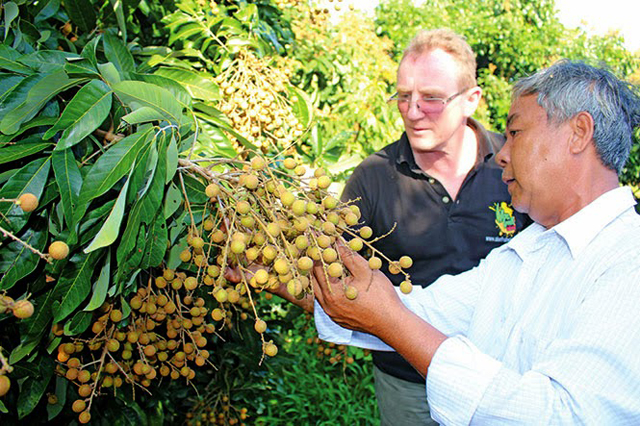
165	336
217	410
273	223
334	353
257	103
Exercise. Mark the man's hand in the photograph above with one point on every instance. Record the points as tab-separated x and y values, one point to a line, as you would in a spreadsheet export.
377	310
376	298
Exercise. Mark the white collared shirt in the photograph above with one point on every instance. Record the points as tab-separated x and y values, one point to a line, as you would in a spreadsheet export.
544	331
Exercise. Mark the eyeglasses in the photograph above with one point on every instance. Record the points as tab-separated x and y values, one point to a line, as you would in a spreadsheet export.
426	104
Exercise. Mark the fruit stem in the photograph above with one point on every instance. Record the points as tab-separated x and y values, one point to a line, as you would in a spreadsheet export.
6	233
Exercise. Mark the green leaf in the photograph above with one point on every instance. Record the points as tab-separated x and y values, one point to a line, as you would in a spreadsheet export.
68	179
118	8
8	82
10	13
79	323
74	285
172	200
110	73
82	68
81	13
301	106
118	54
19	94
38	96
156	243
9	61
89	50
30	178
85	113
61	392
181	94
33	389
47	61
23	149
199	85
108	169
99	293
111	227
172	160
137	94
16	260
143	115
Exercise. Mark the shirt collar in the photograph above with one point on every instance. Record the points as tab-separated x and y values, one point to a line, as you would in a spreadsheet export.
487	146
582	227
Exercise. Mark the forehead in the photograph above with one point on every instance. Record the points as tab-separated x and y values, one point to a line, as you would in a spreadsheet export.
525	109
434	69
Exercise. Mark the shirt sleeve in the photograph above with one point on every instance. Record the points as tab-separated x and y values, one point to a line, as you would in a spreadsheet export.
590	375
447	305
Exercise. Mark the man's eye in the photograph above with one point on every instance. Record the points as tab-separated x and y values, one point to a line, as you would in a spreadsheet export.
404	98
431	99
512	133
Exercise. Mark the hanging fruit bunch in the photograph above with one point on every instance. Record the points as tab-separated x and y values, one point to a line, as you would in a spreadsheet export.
258	101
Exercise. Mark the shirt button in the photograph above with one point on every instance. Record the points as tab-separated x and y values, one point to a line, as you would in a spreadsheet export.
432	181
445	199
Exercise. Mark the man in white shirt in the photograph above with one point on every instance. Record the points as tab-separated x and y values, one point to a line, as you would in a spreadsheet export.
546	330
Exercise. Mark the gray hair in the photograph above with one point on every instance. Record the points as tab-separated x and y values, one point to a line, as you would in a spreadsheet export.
570	87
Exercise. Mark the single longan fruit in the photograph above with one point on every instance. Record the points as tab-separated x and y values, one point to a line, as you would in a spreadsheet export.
270	349
260	326
212	190
84	417
290	163
356	244
78	405
334	270
366	232
261	276
22	309
58	250
324	182
351	292
27	202
5	384
406	287
115	315
375	263
405	262
258	163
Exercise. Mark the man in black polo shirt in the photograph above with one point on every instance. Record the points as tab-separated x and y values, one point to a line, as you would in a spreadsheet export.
441	188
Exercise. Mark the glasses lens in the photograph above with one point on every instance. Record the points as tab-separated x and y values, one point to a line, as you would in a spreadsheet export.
431	105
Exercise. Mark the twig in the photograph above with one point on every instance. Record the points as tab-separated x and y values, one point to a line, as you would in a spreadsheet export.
34	250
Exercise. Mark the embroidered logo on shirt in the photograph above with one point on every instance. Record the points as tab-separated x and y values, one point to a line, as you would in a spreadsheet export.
505	220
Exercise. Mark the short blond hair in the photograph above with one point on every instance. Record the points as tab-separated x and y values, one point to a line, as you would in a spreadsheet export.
450	42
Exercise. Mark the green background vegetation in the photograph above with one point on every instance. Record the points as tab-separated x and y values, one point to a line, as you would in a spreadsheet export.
74	72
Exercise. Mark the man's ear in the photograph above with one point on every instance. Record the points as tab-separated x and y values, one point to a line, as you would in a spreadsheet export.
472	100
582	127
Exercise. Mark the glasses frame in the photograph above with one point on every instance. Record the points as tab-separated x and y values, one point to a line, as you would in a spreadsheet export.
443	101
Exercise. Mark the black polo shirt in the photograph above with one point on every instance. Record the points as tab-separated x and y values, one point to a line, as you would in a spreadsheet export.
442	236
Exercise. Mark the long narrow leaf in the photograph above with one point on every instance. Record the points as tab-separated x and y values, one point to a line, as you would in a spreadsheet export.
74	285
24	149
137	94
38	96
68	179
84	114
108	169
118	54
199	86
111	227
